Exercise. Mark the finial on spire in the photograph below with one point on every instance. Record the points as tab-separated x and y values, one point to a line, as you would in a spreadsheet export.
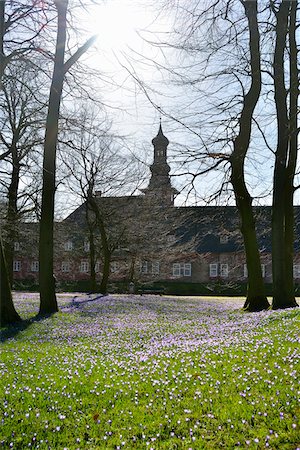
160	139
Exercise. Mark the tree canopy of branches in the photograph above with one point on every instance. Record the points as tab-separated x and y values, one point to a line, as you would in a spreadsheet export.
48	302
228	69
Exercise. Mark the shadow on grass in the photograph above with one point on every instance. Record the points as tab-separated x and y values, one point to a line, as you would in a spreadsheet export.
77	304
12	331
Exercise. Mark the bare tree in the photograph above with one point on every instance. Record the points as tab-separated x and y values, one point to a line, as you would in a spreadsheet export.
227	29
20	135
48	302
98	168
256	299
286	101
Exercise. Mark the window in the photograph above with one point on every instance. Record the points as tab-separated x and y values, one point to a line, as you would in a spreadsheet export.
171	238
16	246
176	270
68	246
34	266
86	246
224	270
187	269
65	266
144	267
182	269
213	270
155	267
245	271
97	267
114	266
16	266
296	270
84	266
223	239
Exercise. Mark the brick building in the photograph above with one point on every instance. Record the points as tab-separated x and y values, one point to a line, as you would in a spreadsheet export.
151	240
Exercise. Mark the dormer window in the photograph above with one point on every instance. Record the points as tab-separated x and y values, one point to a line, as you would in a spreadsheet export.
16	246
86	246
223	239
171	238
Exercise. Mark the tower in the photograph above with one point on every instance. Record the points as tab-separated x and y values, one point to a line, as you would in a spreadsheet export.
160	188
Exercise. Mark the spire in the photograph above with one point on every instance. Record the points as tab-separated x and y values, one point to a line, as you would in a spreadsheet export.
160	186
160	139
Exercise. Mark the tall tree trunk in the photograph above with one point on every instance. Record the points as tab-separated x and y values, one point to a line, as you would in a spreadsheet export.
92	249
293	150
256	299
12	213
105	246
8	314
285	162
92	261
2	32
48	302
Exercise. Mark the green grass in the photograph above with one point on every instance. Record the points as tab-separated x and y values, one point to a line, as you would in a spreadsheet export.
150	373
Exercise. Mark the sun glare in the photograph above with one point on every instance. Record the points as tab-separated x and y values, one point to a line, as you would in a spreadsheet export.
116	23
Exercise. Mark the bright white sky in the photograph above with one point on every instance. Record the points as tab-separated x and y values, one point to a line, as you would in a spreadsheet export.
119	25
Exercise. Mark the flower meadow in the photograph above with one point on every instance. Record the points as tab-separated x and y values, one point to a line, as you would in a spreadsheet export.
150	372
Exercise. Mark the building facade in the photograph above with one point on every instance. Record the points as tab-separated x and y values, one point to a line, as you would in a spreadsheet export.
152	241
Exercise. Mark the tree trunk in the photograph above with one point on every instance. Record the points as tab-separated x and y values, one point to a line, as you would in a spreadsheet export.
106	271
48	302
92	259
8	314
293	151
256	299
2	32
285	161
105	246
12	212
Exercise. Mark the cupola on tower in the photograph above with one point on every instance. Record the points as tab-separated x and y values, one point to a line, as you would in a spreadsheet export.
160	188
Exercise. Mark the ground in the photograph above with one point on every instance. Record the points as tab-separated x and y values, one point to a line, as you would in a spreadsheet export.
150	372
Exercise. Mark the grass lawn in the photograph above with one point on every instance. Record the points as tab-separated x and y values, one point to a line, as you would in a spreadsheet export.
149	372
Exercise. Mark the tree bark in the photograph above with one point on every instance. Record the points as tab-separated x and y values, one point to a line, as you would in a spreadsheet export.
92	261
293	151
12	211
285	160
105	246
256	299
2	33
92	249
48	301
8	314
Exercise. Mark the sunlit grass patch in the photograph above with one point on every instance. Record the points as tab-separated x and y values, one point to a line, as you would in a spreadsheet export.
151	372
